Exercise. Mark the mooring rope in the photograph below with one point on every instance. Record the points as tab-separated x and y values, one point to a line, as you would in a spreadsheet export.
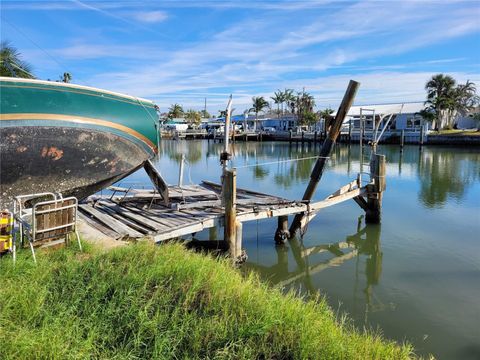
281	161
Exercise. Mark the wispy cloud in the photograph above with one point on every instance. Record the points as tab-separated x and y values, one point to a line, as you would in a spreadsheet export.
150	16
316	44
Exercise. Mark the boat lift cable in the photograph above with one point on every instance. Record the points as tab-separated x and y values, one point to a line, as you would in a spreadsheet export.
282	161
388	122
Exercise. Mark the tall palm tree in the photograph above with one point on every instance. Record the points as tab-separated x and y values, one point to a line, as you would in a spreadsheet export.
278	99
11	63
439	95
327	117
288	98
259	104
175	111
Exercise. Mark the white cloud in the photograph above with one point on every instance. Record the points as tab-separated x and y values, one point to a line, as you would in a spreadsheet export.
150	16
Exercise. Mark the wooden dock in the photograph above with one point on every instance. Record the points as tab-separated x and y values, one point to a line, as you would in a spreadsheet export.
142	214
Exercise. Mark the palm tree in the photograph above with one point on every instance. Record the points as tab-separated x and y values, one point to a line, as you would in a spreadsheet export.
193	117
259	103
327	117
447	99
439	95
11	63
66	77
278	99
288	98
175	111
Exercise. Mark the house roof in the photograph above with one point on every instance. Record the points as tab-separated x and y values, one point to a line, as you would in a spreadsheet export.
385	109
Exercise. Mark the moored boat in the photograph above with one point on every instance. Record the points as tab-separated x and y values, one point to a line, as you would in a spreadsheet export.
70	139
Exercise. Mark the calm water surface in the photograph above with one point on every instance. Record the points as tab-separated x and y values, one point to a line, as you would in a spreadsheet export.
416	276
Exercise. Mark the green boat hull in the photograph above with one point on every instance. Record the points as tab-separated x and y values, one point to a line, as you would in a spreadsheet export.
70	139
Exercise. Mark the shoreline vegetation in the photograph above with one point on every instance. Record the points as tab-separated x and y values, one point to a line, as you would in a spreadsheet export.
146	301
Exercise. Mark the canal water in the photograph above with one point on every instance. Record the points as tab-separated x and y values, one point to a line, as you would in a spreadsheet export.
415	277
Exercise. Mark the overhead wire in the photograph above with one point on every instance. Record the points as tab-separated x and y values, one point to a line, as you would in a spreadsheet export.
281	161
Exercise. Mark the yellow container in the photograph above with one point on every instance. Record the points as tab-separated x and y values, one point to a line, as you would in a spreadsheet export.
6	231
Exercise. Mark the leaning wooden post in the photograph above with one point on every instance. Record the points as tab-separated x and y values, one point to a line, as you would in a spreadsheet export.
229	198
327	146
375	190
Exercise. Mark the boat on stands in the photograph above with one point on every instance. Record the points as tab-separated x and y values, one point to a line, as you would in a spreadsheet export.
71	139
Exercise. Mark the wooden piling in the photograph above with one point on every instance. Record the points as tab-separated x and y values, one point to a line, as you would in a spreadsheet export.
315	138
290	137
180	172
327	146
350	131
282	233
230	227
375	190
402	139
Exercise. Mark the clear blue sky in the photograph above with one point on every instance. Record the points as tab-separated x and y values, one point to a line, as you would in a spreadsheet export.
184	51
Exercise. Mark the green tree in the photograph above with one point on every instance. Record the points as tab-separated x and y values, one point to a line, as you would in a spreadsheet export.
193	117
304	104
175	111
447	99
205	114
259	104
11	63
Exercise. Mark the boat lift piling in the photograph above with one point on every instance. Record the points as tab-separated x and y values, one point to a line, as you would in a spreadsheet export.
324	155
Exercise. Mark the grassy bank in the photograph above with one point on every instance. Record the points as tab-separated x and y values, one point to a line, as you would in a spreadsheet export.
144	302
456	133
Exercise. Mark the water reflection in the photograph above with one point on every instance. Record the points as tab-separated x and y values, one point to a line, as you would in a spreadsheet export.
442	173
445	174
310	261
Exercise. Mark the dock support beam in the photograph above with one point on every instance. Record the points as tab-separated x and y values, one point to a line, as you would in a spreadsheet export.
375	190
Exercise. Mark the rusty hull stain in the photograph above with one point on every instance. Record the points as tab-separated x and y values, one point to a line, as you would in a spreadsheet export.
52	152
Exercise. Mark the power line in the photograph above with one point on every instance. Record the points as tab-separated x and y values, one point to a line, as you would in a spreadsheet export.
34	43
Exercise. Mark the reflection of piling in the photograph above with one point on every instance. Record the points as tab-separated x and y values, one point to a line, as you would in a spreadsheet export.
350	131
420	142
402	140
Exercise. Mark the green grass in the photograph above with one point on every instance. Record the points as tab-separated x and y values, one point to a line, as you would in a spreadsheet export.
142	301
457	132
